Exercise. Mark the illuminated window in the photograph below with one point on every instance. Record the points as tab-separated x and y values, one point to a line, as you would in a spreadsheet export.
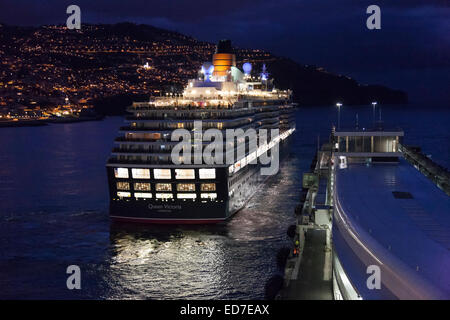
164	196
142	186
207	173
251	157
122	194
140	173
219	125
186	196
184	174
163	187
142	195
162	173
155	136
180	125
121	172
209	195
123	186
208	187
186	187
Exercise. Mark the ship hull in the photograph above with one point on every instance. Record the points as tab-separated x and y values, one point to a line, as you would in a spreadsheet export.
168	212
233	195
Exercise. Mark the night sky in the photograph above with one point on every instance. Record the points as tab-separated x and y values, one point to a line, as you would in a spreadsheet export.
411	52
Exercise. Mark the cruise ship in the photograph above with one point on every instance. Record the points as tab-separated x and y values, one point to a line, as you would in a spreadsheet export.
391	234
148	185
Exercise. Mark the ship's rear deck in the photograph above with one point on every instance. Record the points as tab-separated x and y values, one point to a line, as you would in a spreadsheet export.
404	212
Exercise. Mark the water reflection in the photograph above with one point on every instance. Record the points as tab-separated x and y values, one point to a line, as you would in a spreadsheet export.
168	263
53	213
208	262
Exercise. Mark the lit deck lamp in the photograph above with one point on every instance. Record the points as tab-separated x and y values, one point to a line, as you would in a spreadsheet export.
374	104
339	105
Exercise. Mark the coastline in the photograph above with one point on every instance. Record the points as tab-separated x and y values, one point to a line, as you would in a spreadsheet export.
45	122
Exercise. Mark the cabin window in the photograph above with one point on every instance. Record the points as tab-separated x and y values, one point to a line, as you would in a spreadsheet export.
207	173
142	195
164	196
155	136
140	173
162	173
251	157
185	187
186	196
121	173
122	194
208	187
163	187
123	186
209	195
142	186
184	174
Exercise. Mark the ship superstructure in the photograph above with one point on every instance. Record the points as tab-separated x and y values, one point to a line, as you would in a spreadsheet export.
148	185
390	224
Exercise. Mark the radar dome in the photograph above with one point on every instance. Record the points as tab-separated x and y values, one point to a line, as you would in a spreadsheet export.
247	68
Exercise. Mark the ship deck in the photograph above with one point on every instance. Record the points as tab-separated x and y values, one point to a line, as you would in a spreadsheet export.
404	212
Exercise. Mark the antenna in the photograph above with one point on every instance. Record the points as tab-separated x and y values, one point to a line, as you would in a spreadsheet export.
357	121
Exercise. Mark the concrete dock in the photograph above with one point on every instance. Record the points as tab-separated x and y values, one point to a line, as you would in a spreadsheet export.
308	274
403	208
312	277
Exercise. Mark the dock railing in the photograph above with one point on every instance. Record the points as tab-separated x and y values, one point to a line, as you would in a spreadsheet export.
433	171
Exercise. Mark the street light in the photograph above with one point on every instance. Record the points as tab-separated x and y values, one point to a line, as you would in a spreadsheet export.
374	104
339	105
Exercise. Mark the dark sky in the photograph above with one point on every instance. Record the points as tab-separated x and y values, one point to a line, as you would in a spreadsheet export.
410	52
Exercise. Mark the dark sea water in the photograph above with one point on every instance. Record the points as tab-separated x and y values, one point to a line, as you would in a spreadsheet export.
54	213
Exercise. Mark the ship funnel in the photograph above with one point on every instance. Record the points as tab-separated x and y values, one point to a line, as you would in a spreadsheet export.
224	46
223	59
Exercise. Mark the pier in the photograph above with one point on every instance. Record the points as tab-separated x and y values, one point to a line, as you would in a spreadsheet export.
436	173
367	200
308	273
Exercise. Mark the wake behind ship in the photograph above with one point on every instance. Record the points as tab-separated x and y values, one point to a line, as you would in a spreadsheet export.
146	185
